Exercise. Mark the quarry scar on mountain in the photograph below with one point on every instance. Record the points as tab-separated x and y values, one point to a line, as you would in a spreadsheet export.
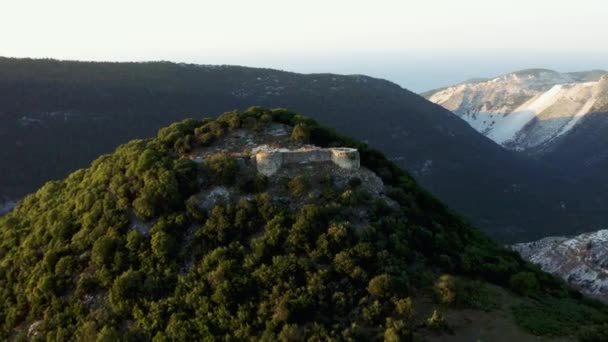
269	161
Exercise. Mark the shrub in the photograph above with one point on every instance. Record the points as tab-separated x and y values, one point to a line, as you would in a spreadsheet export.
255	184
222	169
144	208
557	317
371	313
194	209
266	118
298	186
464	293
524	283
103	251
205	139
404	307
380	286
126	287
108	334
232	119
396	330
436	321
445	289
596	333
348	197
289	333
163	245
301	133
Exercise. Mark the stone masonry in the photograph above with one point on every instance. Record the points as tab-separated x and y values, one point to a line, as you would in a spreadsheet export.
269	161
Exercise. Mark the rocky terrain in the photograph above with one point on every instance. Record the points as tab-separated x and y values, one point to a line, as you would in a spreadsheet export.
528	109
580	260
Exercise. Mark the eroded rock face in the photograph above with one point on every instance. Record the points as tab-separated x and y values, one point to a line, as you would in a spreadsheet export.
34	330
525	109
581	260
215	196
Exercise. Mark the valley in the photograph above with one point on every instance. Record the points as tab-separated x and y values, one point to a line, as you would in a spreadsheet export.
549	184
57	116
558	119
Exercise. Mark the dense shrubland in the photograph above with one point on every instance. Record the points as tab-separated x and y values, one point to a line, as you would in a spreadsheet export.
73	261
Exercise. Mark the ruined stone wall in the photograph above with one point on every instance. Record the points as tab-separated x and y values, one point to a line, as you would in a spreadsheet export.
305	156
270	162
347	158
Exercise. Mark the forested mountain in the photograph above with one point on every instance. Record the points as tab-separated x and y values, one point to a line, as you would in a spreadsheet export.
583	154
57	116
180	238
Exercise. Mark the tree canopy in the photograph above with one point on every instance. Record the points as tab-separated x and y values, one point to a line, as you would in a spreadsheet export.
123	250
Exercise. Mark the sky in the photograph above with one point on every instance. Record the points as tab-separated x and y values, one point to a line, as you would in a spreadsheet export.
420	44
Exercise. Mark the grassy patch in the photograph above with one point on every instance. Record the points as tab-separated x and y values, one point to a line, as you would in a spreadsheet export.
461	292
557	316
484	297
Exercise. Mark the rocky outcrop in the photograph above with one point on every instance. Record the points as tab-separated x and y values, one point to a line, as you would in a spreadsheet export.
581	260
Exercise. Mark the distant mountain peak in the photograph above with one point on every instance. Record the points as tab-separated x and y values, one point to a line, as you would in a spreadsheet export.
534	72
526	109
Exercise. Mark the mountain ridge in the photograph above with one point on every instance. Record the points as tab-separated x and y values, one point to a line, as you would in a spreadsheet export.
57	116
527	109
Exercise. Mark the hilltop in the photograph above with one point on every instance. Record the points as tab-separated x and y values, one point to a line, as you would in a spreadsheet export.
181	237
58	116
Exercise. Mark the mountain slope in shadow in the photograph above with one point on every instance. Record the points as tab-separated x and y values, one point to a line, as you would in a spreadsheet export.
57	116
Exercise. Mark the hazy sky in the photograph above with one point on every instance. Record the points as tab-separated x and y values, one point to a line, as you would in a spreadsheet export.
419	44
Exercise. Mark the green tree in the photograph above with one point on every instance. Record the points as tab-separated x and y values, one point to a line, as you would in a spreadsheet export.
163	245
108	334
125	290
194	209
380	286
222	169
103	251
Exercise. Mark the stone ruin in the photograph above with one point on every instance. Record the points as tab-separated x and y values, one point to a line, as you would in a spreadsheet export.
269	161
